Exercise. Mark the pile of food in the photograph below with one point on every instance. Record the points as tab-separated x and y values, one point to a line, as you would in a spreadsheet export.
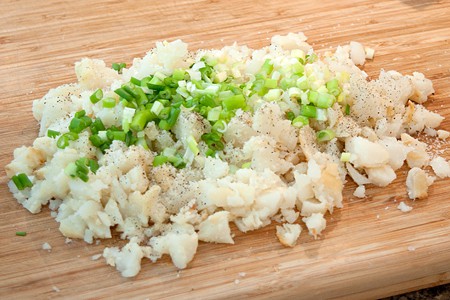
172	149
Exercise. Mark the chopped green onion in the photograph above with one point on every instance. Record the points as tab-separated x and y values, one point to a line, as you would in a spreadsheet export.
333	87
178	74
267	67
347	109
135	81
127	118
273	95
124	94
308	111
325	135
62	142
93	165
192	144
22	181
159	160
118	67
157	107
52	133
21	233
325	100
300	121
109	102
80	113
290	115
345	156
71	170
246	165
140	120
234	102
312	97
96	140
214	114
96	96
171	120
97	126
270	83
116	135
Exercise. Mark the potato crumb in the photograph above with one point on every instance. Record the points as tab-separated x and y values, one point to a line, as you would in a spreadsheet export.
404	207
360	192
46	246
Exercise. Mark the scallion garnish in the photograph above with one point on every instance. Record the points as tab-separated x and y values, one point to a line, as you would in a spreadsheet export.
96	96
21	233
22	181
52	133
325	135
118	67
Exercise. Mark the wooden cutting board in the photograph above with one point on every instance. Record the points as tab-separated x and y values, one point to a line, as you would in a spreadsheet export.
369	249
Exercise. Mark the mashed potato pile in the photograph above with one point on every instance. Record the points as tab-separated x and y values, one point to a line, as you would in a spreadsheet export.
169	151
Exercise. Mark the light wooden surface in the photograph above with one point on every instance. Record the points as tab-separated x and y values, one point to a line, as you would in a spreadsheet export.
359	256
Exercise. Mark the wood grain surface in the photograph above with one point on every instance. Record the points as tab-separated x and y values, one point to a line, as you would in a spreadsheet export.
359	256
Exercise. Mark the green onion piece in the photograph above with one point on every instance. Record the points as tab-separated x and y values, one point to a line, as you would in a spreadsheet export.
210	153
325	100
21	233
155	84
52	133
171	120
302	83
192	144
347	109
178	74
308	111
135	81
76	125
26	182
267	67
83	176
159	160
93	165
234	102
96	140
17	182
71	170
140	120
300	121
177	161
130	91
290	115
157	107
97	126
270	83
109	102
82	165
298	68
80	114
325	135
273	95
214	114
345	156
312	97
118	67
246	165
124	94
333	87
62	142
116	135
96	96
164	113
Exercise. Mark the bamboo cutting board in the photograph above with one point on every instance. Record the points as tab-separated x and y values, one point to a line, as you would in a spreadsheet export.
369	249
